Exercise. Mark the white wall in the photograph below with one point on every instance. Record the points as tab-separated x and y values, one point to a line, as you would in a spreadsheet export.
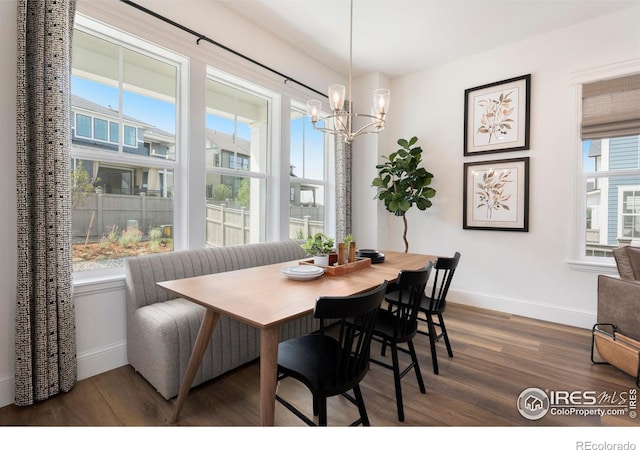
521	273
526	273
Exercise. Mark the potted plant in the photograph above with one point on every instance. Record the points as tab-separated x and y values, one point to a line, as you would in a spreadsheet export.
319	246
402	184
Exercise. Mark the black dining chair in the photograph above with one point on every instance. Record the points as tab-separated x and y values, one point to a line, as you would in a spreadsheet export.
433	304
398	325
334	360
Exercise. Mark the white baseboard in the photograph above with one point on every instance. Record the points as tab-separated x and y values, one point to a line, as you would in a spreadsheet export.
102	359
7	391
551	313
90	363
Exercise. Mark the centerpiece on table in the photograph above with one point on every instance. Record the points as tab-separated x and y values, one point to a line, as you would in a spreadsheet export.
319	246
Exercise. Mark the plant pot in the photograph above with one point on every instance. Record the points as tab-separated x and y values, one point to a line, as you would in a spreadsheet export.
321	260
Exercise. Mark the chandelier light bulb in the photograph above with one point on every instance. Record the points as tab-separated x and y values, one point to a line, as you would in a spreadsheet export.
314	108
381	101
337	93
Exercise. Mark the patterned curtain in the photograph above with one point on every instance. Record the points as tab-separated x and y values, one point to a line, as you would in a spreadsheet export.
343	189
45	342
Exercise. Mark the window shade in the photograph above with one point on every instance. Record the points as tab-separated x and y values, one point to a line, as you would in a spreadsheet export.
611	108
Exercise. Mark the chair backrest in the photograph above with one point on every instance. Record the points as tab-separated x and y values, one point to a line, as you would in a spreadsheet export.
350	321
444	269
411	286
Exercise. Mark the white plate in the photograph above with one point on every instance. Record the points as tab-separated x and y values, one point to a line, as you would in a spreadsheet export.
302	273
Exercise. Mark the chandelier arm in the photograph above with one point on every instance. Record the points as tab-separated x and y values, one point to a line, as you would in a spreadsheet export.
379	126
327	130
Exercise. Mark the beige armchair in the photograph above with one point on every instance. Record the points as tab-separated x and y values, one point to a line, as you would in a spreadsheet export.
617	332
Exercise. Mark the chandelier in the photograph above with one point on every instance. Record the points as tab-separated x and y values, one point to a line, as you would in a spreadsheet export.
346	123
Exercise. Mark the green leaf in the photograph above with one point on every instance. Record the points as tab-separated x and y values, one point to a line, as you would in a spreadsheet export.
413	140
404	204
403	143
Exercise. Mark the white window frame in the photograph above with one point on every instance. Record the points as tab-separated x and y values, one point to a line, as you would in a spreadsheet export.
328	141
265	218
114	35
577	260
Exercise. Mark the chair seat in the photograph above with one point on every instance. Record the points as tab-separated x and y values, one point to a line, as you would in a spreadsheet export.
425	305
298	358
388	322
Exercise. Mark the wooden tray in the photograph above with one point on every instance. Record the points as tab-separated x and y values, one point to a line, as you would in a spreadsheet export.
359	263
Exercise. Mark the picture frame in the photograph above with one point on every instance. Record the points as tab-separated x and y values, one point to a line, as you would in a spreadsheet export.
496	195
496	116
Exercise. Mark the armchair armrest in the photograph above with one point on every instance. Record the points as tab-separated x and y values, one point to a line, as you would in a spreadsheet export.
619	304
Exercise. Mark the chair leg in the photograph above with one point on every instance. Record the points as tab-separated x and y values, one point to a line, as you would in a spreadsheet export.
432	343
416	366
322	411
383	350
315	405
361	408
396	379
445	335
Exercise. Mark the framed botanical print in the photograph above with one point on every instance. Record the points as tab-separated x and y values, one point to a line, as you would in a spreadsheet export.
496	116
496	195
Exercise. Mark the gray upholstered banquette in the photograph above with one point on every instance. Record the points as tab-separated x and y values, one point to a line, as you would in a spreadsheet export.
161	328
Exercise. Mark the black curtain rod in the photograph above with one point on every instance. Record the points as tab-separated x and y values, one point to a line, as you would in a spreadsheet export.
202	37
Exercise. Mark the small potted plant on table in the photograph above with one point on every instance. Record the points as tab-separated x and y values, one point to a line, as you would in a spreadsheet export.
319	246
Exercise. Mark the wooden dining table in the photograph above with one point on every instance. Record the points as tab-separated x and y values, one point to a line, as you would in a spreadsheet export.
265	298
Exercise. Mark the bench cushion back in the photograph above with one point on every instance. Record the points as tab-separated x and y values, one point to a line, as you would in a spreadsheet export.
144	272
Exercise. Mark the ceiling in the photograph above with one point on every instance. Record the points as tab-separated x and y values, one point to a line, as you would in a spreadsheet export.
398	37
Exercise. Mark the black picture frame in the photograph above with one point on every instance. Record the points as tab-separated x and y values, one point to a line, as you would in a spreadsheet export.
497	116
496	195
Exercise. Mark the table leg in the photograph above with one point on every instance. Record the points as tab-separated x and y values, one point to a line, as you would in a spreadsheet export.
202	340
268	374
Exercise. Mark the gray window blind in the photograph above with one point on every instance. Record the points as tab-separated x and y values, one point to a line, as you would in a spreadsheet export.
611	108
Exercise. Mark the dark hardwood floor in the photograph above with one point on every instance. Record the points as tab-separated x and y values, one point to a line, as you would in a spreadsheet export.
496	357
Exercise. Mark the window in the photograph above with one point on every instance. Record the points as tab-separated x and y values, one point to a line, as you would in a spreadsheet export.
610	132
306	177
130	136
122	197
83	125
100	129
114	132
141	179
237	121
